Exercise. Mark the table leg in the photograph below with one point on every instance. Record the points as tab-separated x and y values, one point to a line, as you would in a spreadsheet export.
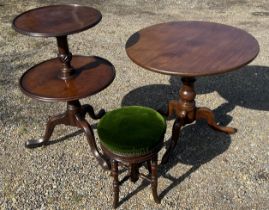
74	116
208	115
53	121
175	136
89	109
103	161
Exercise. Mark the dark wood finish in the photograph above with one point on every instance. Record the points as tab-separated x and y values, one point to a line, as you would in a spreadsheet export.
130	159
134	172
65	56
66	78
73	116
190	49
93	74
186	112
56	20
116	186
178	124
149	166
133	163
154	179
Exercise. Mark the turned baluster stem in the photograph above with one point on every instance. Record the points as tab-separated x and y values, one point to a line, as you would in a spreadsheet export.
65	56
187	99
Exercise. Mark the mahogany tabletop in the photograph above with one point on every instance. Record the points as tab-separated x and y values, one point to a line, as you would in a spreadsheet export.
56	20
93	74
191	48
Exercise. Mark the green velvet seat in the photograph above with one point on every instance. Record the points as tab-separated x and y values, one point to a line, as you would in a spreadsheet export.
131	130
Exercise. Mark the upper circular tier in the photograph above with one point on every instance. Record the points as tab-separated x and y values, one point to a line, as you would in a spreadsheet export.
93	74
191	48
56	20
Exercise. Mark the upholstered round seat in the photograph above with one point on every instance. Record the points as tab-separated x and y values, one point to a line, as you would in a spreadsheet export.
131	130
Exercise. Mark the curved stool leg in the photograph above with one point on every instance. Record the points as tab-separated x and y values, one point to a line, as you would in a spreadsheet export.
175	136
116	189
91	140
154	179
208	115
52	122
89	109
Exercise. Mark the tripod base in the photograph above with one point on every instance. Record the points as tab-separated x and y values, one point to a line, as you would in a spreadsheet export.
186	112
74	116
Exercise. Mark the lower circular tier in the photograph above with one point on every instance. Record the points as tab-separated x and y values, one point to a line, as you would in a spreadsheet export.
92	74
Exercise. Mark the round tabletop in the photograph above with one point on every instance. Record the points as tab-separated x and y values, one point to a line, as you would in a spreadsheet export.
56	20
93	74
191	48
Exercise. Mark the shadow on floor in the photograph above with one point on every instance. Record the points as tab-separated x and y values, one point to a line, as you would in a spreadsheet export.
198	144
247	87
65	138
68	137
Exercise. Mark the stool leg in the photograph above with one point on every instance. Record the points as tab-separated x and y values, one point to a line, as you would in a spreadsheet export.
134	172
116	189
149	166
154	179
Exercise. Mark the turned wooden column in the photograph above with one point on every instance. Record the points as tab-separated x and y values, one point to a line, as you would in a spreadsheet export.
65	56
186	105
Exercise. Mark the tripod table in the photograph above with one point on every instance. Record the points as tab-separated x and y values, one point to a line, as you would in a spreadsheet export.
191	49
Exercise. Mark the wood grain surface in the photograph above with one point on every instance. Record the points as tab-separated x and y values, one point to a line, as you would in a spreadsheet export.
56	20
191	48
93	74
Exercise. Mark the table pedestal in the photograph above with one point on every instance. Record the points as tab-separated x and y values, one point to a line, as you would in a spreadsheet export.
186	112
73	116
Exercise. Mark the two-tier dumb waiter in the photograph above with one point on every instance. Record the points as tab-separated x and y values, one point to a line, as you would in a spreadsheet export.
67	78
